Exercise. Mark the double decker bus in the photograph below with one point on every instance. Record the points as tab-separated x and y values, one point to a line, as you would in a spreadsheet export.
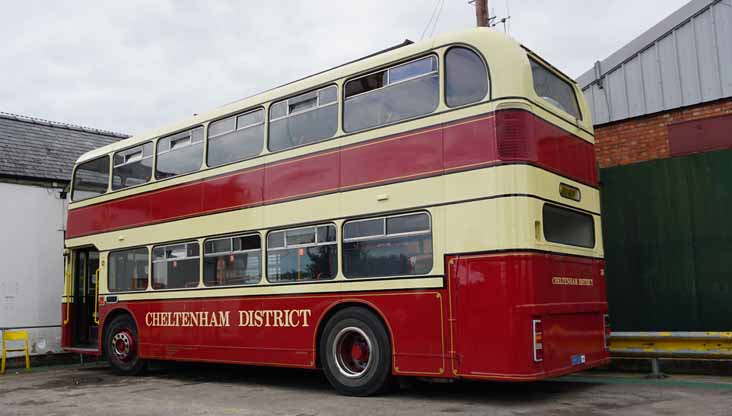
431	210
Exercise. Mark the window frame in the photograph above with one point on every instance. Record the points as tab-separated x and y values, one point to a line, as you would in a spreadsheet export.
149	265
573	211
236	116
166	260
152	167
233	252
431	53
157	151
286	247
384	235
571	83
489	89
109	177
286	100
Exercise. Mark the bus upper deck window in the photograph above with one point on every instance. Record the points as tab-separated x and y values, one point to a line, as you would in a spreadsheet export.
132	166
180	153
554	89
236	138
390	95
466	77
91	178
302	119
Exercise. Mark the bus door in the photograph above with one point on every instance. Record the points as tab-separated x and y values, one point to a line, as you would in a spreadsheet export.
85	310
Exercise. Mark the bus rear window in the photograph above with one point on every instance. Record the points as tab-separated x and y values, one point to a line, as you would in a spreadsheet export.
569	227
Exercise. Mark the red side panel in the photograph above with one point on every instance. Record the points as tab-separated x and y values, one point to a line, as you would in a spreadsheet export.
302	177
522	136
495	299
285	338
470	144
394	160
509	136
239	190
176	202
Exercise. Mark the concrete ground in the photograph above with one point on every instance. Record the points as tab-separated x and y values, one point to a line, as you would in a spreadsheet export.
175	389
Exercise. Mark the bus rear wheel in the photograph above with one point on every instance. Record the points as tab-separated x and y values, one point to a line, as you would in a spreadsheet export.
356	353
121	344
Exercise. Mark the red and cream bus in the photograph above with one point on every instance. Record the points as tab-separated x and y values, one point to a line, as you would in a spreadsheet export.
431	210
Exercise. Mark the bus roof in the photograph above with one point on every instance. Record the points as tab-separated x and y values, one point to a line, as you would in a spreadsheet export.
499	42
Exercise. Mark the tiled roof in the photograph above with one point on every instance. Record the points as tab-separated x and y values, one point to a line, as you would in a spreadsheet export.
45	150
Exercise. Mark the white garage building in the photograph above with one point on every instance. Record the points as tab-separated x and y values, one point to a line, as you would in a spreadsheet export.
36	160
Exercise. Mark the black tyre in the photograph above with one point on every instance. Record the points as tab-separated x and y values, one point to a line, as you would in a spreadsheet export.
121	345
355	352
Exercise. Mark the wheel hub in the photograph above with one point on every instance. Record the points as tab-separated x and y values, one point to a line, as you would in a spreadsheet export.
123	345
352	352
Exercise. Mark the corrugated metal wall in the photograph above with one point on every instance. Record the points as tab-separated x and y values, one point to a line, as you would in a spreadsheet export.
668	243
688	63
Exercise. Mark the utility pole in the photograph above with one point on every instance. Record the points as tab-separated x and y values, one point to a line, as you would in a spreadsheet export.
481	13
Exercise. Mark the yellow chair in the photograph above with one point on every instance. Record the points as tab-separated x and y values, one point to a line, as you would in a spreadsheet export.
14	336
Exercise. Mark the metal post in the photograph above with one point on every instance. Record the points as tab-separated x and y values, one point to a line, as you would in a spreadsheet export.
656	370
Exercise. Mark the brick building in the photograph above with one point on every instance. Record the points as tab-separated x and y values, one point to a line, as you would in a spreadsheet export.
662	108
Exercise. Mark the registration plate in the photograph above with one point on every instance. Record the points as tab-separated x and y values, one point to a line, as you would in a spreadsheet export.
578	359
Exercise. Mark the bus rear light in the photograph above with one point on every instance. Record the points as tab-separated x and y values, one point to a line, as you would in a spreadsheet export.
606	331
513	135
538	340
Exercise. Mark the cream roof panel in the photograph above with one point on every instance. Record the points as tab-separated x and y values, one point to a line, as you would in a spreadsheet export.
493	45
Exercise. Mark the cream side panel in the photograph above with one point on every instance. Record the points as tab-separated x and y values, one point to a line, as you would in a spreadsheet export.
505	224
517	179
452	188
290	289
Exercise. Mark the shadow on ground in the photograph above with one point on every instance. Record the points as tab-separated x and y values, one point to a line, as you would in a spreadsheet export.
314	381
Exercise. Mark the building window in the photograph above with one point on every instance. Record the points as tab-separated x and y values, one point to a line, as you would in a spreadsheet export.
236	138
91	179
398	93
175	266
306	118
132	166
180	153
466	77
302	254
232	261
128	270
565	226
388	246
554	89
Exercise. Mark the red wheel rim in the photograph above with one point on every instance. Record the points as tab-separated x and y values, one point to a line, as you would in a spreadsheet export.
352	352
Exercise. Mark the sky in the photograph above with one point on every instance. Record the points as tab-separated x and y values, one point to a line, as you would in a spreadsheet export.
136	65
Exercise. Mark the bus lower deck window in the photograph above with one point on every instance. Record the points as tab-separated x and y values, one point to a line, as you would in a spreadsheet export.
232	261
175	266
388	246
302	254
128	270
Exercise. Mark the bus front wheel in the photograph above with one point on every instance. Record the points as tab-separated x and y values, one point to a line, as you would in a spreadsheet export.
355	352
121	345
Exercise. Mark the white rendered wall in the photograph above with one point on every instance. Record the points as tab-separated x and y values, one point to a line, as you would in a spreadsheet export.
32	220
